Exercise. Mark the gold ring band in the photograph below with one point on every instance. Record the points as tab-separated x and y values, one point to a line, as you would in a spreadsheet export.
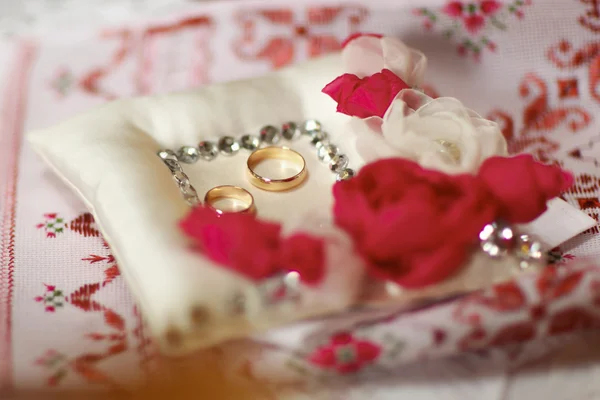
230	192
278	153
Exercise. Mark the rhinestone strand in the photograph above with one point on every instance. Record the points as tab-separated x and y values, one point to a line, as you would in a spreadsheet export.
327	152
183	182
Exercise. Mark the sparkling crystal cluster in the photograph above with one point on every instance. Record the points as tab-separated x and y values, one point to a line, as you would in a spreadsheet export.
499	239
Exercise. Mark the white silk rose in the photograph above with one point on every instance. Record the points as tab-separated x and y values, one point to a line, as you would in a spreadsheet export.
440	134
366	55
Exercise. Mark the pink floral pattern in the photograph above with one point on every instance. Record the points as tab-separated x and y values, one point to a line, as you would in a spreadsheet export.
51	299
470	24
54	362
345	354
52	225
299	35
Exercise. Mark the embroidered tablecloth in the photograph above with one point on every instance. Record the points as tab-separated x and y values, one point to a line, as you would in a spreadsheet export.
66	316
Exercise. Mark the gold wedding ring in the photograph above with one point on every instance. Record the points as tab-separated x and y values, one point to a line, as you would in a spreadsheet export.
276	153
243	198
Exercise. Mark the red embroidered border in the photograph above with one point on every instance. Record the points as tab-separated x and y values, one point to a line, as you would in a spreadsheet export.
14	106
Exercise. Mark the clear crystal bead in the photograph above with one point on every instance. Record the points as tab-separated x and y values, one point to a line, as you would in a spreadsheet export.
327	152
270	135
338	162
228	145
290	131
250	142
321	143
311	126
191	196
318	137
497	239
170	159
180	177
208	150
167	154
344	174
188	154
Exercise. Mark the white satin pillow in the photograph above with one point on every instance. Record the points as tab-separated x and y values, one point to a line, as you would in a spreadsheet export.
108	156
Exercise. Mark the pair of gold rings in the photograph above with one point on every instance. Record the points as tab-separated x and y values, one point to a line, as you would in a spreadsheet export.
240	200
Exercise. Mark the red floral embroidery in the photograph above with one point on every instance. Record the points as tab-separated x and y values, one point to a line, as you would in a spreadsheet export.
84	225
345	354
56	362
502	297
567	58
305	27
137	45
467	22
116	339
591	18
557	257
552	285
52	298
514	333
85	365
539	116
111	272
572	319
53	225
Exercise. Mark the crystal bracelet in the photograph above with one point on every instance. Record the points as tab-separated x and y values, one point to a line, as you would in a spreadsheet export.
327	152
